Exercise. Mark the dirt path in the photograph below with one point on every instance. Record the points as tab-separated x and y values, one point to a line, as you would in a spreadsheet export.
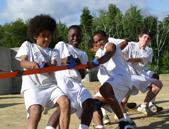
13	113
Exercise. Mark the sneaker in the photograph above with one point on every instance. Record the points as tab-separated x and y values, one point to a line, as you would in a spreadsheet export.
155	108
131	105
106	120
133	124
146	110
124	125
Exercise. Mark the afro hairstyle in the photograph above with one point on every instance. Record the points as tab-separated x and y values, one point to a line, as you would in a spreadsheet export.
39	23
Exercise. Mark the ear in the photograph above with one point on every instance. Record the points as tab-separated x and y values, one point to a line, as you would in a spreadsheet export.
94	44
107	38
67	36
35	38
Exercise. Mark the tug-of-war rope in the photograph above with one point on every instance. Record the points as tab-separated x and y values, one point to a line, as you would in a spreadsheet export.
42	69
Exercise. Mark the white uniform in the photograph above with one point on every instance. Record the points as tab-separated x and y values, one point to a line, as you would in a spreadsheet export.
115	72
70	80
39	88
116	41
144	69
139	82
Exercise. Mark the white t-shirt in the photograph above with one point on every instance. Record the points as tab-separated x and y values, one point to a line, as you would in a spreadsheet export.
37	54
117	65
150	51
132	50
116	41
66	50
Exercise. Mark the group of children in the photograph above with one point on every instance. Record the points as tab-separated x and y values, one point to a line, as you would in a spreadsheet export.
119	63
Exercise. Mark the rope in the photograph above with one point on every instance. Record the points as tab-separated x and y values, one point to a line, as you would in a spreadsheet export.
39	70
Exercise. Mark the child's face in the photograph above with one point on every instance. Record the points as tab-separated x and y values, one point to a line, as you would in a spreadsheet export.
100	40
94	49
144	40
43	39
74	37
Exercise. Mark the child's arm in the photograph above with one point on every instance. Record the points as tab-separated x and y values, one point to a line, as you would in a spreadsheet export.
134	60
81	71
123	44
53	63
110	51
27	64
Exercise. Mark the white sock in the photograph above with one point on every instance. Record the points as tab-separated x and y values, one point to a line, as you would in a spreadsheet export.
82	126
152	101
104	112
126	116
143	105
100	127
49	127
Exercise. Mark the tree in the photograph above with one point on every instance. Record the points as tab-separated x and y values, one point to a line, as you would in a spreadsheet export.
14	34
86	23
60	34
113	21
132	23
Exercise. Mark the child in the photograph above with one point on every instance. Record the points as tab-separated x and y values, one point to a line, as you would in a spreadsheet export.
40	90
114	76
70	80
93	48
137	56
151	74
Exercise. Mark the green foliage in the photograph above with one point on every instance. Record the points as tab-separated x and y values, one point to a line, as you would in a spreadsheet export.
86	24
60	34
132	23
113	22
14	34
165	64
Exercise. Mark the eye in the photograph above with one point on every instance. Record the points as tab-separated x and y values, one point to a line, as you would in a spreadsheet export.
43	36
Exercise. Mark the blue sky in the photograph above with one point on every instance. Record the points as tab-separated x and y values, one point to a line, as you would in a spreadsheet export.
69	11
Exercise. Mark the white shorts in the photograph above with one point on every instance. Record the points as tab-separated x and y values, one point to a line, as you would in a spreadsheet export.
141	83
147	73
119	87
44	97
76	92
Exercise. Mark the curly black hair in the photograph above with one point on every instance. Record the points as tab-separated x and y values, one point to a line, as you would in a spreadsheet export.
39	23
90	43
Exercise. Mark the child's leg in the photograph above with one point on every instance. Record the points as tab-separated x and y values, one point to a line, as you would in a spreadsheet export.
97	89
54	119
108	94
64	104
155	87
35	116
97	115
87	113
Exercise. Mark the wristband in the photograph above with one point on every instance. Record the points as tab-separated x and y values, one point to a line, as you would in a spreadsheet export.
96	63
42	65
72	63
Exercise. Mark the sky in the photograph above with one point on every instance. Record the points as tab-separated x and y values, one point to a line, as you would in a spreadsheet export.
69	11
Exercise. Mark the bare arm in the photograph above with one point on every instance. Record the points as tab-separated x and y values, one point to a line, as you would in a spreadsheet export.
123	44
134	60
110	51
27	64
30	64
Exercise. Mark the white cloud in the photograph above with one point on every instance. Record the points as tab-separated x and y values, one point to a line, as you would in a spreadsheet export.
68	11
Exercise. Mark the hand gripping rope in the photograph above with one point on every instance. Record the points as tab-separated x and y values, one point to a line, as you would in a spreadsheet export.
43	70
